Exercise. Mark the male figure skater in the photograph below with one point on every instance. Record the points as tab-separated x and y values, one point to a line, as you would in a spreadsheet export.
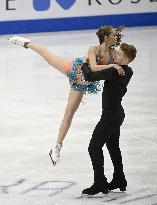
108	128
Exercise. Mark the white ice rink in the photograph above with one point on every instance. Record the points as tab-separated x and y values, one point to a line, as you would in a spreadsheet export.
32	101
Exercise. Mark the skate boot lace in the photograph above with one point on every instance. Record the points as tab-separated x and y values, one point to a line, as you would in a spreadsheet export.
57	150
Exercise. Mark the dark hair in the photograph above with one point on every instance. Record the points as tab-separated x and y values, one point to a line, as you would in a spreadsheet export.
119	35
129	50
103	31
106	31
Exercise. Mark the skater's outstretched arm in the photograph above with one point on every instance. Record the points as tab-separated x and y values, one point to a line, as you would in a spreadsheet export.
100	75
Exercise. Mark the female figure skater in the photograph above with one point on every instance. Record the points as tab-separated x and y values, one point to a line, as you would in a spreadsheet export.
99	57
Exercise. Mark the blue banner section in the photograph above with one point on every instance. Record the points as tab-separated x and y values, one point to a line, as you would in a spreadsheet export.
41	5
77	23
44	5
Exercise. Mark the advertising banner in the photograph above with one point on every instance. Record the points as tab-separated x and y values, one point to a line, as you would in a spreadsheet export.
63	14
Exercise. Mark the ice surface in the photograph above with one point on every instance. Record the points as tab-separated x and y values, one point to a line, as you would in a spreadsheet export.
33	97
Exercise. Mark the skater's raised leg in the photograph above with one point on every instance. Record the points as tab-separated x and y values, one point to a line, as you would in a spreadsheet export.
59	63
55	61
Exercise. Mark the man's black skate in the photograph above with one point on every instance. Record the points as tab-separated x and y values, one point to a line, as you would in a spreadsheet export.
95	189
118	183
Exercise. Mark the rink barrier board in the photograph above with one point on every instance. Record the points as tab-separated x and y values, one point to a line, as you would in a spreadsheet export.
77	23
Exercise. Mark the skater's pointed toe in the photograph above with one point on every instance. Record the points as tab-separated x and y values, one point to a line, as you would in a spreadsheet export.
21	41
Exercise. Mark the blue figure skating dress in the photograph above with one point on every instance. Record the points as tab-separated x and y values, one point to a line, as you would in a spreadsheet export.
77	81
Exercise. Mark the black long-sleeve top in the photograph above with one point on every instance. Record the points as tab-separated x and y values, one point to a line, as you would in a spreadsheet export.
115	85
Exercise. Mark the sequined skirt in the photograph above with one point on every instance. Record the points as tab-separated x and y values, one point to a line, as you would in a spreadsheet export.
77	81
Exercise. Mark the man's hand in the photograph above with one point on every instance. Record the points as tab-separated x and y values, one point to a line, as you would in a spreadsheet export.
119	69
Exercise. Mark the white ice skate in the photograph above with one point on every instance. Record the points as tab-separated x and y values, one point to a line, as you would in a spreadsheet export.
21	41
55	154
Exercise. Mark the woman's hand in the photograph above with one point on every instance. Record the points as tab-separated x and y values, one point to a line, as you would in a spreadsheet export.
80	77
119	69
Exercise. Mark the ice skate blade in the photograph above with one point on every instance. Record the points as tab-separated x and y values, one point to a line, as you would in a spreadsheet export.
97	196
121	189
87	196
117	192
54	163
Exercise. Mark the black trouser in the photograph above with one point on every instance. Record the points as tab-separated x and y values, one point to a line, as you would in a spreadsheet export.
106	131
